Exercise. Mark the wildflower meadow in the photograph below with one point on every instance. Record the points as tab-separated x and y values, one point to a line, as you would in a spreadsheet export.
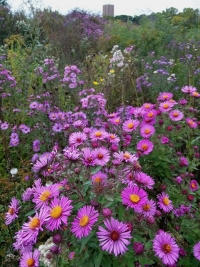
99	131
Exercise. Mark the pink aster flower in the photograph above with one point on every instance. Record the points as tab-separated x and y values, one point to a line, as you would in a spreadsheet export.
71	153
164	202
96	135
165	96
102	156
99	177
133	197
164	140
77	138
43	195
27	236
176	115
196	250
82	224
115	238
57	127
188	89
144	180
60	210
147	106
148	208
191	123
165	106
125	156
165	247
195	94
30	259
147	130
33	105
88	156
194	185
183	162
113	138
145	146
12	213
130	125
42	163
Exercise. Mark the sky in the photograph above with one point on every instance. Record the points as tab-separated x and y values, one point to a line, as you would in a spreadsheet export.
121	7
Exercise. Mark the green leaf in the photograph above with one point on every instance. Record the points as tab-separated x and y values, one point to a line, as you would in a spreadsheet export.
30	213
109	198
98	168
85	241
98	259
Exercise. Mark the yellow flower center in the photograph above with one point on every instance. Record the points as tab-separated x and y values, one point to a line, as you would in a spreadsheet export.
175	114
84	221
100	156
112	136
56	212
166	201
166	105
165	96
166	248
97	180
130	125
126	156
34	223
144	147
134	198
146	207
147	106
150	114
117	120
98	134
45	195
147	131
193	185
30	262
195	94
11	211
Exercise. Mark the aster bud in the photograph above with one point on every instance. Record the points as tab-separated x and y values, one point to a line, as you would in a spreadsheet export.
130	226
190	197
57	239
106	212
151	220
138	248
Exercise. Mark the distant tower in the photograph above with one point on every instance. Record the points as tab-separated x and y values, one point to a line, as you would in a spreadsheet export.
108	10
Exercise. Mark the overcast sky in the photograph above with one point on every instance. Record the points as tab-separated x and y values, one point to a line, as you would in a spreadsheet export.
122	7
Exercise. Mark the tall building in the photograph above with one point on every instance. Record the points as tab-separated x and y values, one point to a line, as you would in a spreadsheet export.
108	10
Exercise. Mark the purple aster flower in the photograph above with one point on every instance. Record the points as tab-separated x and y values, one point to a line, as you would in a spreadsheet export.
147	130
42	162
196	250
57	127
148	209
133	197
102	156
194	185
191	123
88	157
165	96
30	259
14	142
60	210
36	145
164	140
183	162
96	134
164	202
125	157
99	177
4	126
144	180
165	106
138	247
77	138
33	105
176	115
115	238
12	213
130	125
145	146
71	153
188	89
83	222
165	247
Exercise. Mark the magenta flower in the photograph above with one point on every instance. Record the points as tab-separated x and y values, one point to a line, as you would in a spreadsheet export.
30	259
145	146
77	138
96	135
144	180
82	224
125	157
60	210
12	213
196	250
33	105
99	177
57	127
102	156
42	162
43	195
188	89
88	156
194	185
165	106
183	162
164	140
165	247
164	202
112	138
130	125
133	197
165	96
176	115
191	123
115	238
148	208
147	130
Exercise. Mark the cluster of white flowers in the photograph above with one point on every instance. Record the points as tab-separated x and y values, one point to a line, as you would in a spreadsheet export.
172	78
118	58
21	24
45	254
